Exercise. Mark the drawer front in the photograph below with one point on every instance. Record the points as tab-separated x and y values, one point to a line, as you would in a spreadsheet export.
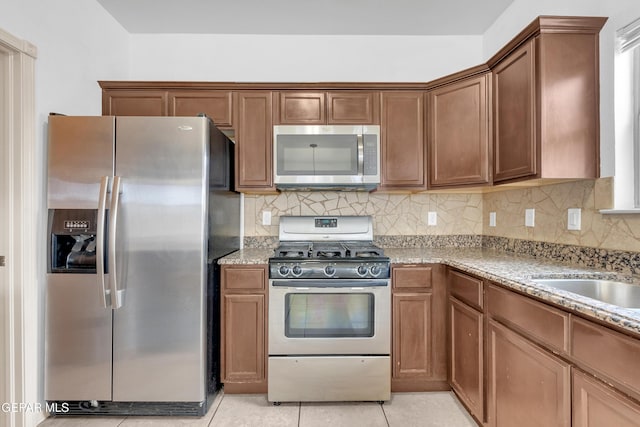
411	277
244	278
607	352
466	288
542	323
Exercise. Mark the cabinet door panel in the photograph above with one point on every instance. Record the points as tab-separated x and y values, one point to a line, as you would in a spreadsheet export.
215	104
528	387
402	142
467	355
244	338
305	108
458	137
352	108
412	335
597	405
134	103
514	115
254	142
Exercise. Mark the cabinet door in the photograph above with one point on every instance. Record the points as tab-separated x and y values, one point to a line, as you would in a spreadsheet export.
254	142
243	335
467	355
301	108
458	136
134	103
597	405
353	108
528	386
215	104
515	150
412	335
402	142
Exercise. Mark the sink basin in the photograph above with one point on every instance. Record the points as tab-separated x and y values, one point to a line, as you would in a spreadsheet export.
610	292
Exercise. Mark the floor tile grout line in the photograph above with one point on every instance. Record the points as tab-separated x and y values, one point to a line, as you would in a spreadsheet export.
299	412
384	414
215	411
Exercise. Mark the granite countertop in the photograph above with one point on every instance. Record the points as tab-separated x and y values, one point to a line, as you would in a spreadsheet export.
513	271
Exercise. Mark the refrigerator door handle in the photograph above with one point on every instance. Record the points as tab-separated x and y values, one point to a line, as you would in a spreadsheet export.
105	294
116	294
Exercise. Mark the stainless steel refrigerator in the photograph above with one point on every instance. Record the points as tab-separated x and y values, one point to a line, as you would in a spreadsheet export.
140	208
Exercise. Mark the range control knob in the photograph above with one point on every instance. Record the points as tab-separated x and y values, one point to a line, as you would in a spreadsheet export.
283	270
362	270
329	270
296	270
374	270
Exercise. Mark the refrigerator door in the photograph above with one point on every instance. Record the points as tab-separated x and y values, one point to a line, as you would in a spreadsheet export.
81	152
78	340
159	332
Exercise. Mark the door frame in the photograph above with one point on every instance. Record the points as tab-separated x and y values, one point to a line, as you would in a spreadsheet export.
21	194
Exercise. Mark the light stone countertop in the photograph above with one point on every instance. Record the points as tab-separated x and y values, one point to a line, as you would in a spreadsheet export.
513	271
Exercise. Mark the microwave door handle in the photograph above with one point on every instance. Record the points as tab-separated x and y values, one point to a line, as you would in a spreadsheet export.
360	154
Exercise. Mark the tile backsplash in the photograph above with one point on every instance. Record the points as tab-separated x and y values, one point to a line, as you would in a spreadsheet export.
464	214
393	214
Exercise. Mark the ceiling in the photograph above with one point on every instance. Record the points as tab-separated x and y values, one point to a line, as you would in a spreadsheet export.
328	17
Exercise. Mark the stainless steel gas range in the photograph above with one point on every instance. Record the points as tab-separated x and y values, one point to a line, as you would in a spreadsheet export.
329	312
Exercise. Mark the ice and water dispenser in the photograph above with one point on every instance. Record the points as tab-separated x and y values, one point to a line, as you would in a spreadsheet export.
73	240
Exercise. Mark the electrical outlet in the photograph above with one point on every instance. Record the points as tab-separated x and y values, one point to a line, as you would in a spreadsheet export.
492	219
574	219
266	217
529	217
432	218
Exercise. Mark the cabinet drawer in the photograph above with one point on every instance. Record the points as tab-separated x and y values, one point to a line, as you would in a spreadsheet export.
411	277
466	288
244	278
536	320
607	352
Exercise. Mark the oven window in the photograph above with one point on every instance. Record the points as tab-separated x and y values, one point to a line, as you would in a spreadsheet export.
329	315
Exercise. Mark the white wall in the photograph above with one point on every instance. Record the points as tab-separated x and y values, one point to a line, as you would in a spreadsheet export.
282	58
620	13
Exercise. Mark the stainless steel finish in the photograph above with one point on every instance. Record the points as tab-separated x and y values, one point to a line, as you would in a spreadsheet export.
611	292
360	154
349	228
159	333
359	180
379	344
78	340
81	151
105	295
313	379
117	294
284	269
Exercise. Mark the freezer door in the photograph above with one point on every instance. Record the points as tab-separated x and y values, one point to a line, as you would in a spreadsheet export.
159	332
78	340
81	152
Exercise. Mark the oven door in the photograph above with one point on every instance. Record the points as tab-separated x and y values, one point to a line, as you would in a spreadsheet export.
329	317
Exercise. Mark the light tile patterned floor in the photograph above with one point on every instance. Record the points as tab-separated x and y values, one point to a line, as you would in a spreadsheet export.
436	409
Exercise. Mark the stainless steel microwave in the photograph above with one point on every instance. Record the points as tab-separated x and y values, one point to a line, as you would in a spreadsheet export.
340	157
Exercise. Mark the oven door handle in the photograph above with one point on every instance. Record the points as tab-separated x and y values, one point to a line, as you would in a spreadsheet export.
329	283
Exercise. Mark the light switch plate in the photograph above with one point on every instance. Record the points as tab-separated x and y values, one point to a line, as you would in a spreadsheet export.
574	218
492	219
529	217
432	218
266	218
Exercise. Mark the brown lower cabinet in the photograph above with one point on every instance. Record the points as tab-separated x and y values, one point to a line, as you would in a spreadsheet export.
419	353
598	405
244	328
528	386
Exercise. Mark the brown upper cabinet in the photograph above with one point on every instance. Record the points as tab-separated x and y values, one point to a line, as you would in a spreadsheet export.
546	101
216	104
458	132
402	145
326	108
134	103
